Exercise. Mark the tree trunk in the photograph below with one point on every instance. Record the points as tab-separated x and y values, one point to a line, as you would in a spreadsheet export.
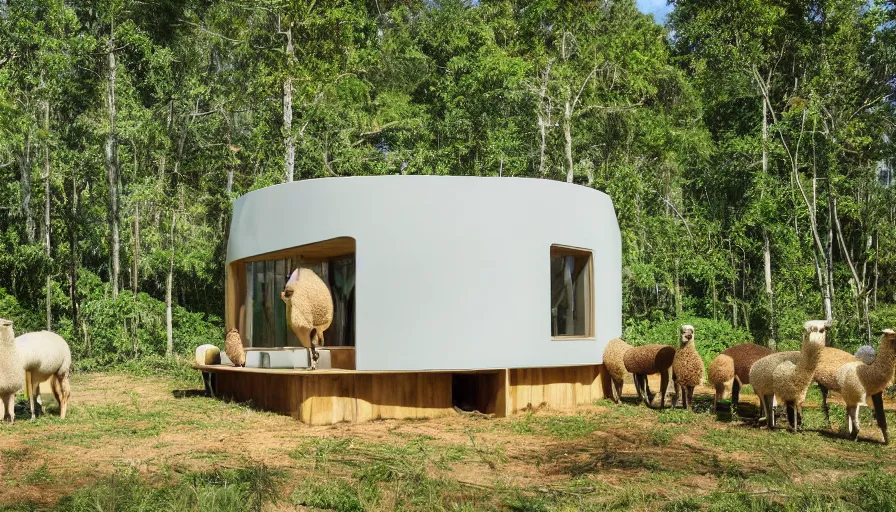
136	247
859	289
767	258
25	168
111	155
289	137
4	10
544	116
47	245
876	275
73	250
567	135
169	327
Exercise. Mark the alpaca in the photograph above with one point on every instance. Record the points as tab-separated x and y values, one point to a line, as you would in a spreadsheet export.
12	374
832	359
613	361
733	365
233	347
309	309
687	368
649	359
786	376
46	355
858	380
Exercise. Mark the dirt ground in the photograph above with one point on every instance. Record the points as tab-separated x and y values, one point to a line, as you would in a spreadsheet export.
161	428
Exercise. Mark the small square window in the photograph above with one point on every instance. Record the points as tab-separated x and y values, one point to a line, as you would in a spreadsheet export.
572	311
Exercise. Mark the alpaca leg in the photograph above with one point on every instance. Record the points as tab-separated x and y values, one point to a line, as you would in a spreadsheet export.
719	394
617	390
315	334
664	388
769	411
34	399
799	417
880	415
852	421
791	415
690	397
57	389
65	391
638	387
735	392
824	404
9	412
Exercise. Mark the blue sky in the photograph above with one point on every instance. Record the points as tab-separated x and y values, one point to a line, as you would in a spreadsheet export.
658	8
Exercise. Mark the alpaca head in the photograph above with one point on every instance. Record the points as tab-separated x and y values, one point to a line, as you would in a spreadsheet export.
814	342
815	326
292	295
6	332
687	334
888	341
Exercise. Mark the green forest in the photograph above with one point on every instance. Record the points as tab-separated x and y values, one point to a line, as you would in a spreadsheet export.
749	148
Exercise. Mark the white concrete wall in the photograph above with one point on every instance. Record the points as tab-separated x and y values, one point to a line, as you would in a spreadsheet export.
451	272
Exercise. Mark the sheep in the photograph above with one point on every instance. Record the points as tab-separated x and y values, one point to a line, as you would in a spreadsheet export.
858	380
46	355
12	372
233	347
309	309
613	361
687	368
733	365
207	355
786	376
649	359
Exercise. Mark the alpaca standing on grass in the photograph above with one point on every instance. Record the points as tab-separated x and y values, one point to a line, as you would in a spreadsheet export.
786	376
687	368
646	360
733	366
45	355
12	374
614	356
309	309
832	359
858	380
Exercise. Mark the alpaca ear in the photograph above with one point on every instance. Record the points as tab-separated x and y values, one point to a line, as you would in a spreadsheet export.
293	277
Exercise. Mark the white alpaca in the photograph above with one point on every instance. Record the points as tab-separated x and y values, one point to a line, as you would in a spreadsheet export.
11	373
45	355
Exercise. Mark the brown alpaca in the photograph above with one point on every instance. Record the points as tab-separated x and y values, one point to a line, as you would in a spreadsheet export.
646	360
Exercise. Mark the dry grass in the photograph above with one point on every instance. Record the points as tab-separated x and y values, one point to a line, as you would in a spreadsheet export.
129	435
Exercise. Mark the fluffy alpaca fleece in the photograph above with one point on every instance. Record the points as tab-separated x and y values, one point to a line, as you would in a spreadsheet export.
309	308
858	381
46	355
614	356
649	359
208	354
733	366
832	359
687	367
12	374
233	347
786	376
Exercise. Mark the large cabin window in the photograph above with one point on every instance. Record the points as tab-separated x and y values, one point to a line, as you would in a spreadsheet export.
264	321
572	310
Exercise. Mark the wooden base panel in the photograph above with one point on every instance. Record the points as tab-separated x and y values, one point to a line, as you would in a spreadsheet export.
320	398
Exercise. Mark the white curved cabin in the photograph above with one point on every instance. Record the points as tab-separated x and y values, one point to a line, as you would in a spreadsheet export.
450	293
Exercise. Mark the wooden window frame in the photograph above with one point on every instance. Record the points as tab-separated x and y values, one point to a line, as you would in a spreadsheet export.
588	254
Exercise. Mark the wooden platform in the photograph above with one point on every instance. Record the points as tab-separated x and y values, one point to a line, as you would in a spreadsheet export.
324	397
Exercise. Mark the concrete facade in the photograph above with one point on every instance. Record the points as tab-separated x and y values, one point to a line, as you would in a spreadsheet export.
452	273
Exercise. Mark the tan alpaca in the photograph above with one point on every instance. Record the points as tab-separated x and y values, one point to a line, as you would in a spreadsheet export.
786	376
309	309
688	370
233	347
46	355
614	356
732	366
12	373
858	380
